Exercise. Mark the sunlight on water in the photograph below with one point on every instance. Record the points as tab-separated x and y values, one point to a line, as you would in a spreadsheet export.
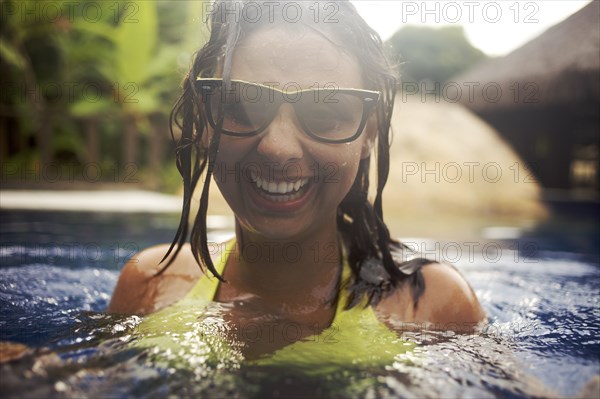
542	339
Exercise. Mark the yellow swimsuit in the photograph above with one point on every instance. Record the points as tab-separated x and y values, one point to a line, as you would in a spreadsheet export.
194	329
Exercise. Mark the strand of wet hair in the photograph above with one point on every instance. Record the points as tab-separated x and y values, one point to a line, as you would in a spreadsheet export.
183	157
199	229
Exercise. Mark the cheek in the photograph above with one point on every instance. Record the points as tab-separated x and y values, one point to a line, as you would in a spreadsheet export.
228	172
231	154
339	167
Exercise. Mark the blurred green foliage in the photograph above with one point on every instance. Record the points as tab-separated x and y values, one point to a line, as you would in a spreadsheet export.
432	54
94	82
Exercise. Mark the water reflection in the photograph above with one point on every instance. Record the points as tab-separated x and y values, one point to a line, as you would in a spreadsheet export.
541	340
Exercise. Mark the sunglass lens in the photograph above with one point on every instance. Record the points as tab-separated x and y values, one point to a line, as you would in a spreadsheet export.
333	116
243	106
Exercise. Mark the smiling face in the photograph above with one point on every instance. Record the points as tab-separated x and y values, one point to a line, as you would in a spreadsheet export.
282	184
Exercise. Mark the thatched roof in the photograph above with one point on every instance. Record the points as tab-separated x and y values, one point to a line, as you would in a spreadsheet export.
561	66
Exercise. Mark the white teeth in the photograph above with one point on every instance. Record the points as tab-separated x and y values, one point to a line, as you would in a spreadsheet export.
282	188
276	188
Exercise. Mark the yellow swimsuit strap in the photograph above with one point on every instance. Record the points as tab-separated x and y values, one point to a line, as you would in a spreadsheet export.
206	288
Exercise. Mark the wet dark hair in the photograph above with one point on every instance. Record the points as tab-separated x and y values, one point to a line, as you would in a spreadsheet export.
371	250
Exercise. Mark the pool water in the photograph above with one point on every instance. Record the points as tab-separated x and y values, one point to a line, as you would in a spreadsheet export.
58	270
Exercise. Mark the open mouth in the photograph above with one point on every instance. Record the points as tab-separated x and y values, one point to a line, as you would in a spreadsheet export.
279	191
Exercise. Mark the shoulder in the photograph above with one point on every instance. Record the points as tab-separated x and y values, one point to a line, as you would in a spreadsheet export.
448	300
139	290
447	303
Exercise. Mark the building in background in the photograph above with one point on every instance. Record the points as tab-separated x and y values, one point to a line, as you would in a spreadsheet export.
544	100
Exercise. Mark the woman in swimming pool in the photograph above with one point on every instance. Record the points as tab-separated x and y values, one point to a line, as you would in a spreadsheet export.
285	106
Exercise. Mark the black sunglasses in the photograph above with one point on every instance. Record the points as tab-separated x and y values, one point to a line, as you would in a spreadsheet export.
329	114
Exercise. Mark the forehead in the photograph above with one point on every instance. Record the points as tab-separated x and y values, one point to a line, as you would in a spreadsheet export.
294	56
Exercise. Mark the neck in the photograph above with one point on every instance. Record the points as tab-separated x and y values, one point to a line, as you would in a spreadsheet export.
301	272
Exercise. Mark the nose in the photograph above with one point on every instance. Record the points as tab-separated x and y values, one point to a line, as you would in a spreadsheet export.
281	140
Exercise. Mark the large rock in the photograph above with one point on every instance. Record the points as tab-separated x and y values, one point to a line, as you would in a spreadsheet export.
445	161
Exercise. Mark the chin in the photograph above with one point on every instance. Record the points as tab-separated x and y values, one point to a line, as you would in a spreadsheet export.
276	230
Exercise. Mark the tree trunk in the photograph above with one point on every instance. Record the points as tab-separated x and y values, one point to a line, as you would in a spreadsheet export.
130	146
156	150
44	141
93	145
